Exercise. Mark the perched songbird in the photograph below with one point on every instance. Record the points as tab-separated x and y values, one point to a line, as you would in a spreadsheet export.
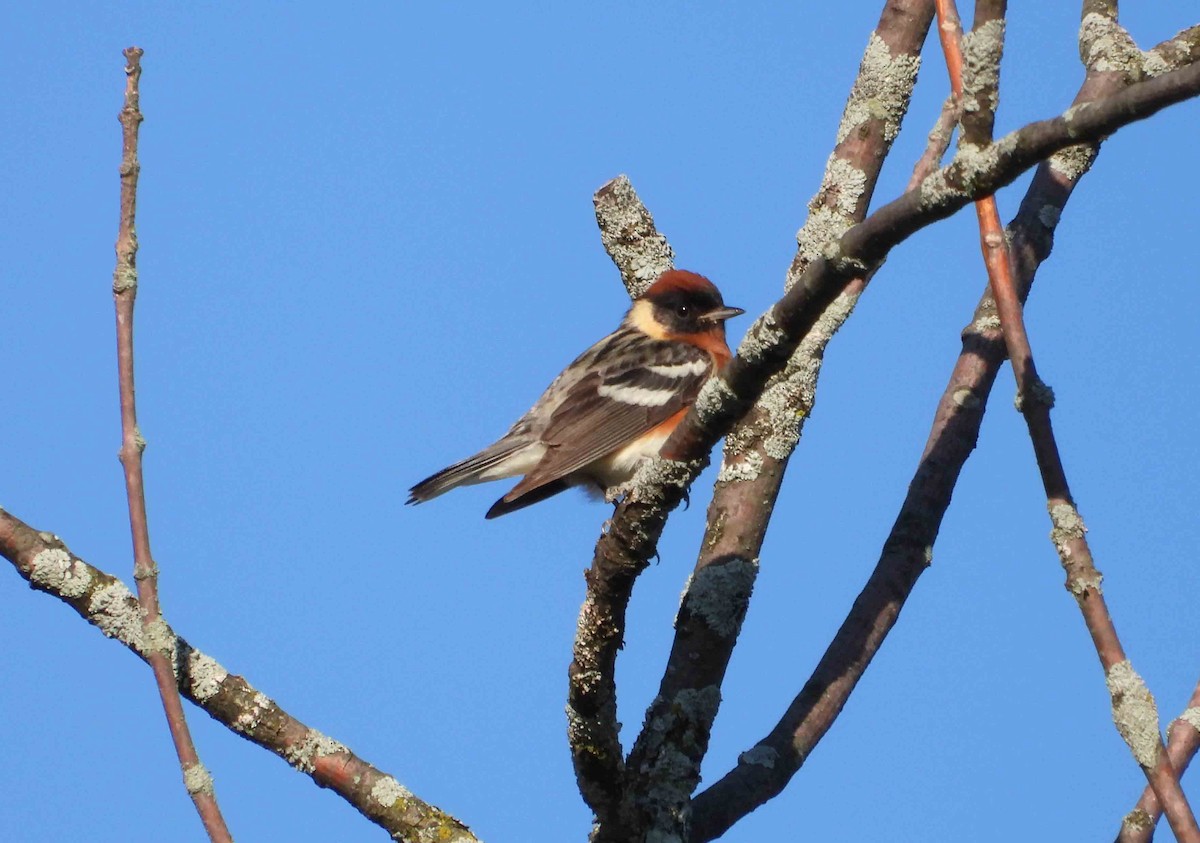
618	402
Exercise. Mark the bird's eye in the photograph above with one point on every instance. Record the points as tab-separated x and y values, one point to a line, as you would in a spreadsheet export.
683	310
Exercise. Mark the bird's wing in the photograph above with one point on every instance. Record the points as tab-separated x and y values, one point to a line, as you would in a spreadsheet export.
627	395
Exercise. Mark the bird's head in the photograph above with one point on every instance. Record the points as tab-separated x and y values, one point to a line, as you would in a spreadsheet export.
681	304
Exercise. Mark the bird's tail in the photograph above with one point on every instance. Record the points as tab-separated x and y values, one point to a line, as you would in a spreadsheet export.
489	464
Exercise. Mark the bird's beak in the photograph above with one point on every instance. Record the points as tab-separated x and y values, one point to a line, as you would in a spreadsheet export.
721	314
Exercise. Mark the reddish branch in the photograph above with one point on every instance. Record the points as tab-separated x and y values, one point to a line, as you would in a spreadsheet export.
1183	740
104	601
765	769
1133	707
196	778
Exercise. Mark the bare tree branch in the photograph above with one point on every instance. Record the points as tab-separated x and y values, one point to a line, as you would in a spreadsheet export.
765	769
196	777
1183	740
629	236
104	601
975	62
1133	707
938	141
641	254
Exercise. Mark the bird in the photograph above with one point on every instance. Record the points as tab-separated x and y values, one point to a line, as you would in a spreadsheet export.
617	402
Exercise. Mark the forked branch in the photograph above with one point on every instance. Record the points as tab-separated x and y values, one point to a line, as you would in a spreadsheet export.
1133	706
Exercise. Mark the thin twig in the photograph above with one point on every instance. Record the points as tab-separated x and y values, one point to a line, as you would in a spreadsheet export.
196	778
1133	706
938	141
103	601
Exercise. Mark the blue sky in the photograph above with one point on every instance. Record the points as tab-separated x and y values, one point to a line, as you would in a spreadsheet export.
367	245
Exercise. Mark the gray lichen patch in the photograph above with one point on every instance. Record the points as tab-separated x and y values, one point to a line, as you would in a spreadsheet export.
830	212
667	795
653	476
304	755
975	162
784	416
761	756
789	399
124	278
387	792
827	324
1134	713
1190	716
740	468
987	320
842	186
1178	52
965	397
160	639
1154	63
1137	820
819	234
714	397
696	705
935	189
206	674
55	570
982	49
1066	523
1073	162
114	611
671	738
197	779
718	593
764	335
881	90
1083	585
579	728
629	236
249	718
1105	46
1038	392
